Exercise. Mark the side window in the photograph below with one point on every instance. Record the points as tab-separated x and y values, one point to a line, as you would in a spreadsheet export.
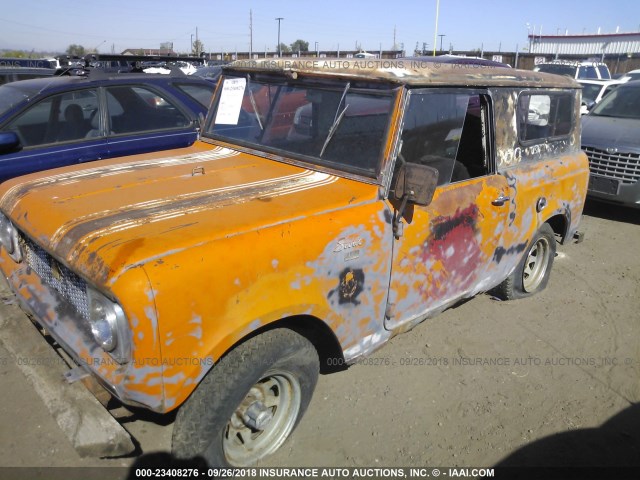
604	72
447	131
134	109
60	118
542	116
200	93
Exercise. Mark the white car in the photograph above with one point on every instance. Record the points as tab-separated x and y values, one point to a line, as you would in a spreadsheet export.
586	69
629	76
187	68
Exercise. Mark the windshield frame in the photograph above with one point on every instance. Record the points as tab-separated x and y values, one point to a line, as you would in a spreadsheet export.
373	88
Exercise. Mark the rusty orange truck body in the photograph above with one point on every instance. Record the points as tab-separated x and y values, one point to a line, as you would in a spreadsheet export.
409	188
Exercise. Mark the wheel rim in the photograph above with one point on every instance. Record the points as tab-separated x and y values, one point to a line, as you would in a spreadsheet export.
535	267
263	420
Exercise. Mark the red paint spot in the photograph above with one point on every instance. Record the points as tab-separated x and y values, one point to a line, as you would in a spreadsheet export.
453	251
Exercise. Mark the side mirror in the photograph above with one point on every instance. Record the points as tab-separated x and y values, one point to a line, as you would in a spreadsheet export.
8	141
416	183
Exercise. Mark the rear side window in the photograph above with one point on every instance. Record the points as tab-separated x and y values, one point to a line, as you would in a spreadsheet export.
135	109
200	93
542	116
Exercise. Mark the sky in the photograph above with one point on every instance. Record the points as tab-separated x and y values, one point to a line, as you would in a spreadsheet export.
115	25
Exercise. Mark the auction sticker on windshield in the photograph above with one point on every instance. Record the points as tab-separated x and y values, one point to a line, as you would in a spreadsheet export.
230	101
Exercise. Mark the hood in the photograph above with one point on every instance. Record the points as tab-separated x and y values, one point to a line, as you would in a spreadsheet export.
621	133
116	214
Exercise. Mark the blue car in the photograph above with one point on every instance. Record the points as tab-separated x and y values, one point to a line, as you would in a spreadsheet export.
52	122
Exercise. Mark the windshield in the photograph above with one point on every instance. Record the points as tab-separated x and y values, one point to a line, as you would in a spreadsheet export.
335	125
590	92
622	102
12	94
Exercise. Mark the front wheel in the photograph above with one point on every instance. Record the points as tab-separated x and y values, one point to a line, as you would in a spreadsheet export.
532	273
250	402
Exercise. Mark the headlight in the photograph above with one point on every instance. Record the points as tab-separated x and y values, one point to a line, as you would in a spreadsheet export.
9	238
6	234
106	319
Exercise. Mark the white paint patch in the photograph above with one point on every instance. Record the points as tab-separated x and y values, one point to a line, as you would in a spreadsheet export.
398	72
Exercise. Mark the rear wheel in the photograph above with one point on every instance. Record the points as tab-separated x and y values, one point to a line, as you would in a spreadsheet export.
532	273
250	402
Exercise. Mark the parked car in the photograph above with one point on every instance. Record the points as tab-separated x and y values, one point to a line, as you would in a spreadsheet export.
11	74
14	69
186	68
630	76
584	70
51	122
611	139
210	72
593	91
306	228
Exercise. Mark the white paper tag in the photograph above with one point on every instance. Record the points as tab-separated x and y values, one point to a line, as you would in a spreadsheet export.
230	101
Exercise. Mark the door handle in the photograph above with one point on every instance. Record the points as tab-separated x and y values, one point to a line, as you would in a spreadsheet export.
500	201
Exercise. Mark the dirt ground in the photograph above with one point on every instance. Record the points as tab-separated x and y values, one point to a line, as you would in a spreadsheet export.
552	379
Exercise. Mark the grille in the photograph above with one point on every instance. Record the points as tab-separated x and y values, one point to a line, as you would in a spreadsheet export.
58	277
620	166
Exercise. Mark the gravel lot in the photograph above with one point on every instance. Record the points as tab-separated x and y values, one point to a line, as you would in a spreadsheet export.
553	379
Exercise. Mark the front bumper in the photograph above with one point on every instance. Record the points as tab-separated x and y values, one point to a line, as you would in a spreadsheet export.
611	191
87	424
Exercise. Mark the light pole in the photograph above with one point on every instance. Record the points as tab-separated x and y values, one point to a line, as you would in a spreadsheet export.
441	35
279	19
317	51
191	45
436	29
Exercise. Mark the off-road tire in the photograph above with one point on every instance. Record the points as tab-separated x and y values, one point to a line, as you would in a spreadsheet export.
533	271
204	421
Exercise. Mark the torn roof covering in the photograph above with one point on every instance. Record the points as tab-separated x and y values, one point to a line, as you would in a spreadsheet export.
409	71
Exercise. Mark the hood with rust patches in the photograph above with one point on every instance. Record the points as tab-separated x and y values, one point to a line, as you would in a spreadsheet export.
117	214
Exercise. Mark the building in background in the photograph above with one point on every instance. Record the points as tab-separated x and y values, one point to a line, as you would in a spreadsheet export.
598	45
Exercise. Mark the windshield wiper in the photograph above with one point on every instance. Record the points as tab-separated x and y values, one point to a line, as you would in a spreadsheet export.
253	103
336	119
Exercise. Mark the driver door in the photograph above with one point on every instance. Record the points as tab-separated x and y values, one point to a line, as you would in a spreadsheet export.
444	251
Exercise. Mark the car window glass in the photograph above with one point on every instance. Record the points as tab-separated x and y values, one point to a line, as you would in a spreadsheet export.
590	92
446	131
59	118
134	109
200	93
588	71
333	125
604	72
622	102
542	116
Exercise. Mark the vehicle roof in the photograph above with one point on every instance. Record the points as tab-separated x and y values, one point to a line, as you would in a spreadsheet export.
449	58
55	82
404	71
